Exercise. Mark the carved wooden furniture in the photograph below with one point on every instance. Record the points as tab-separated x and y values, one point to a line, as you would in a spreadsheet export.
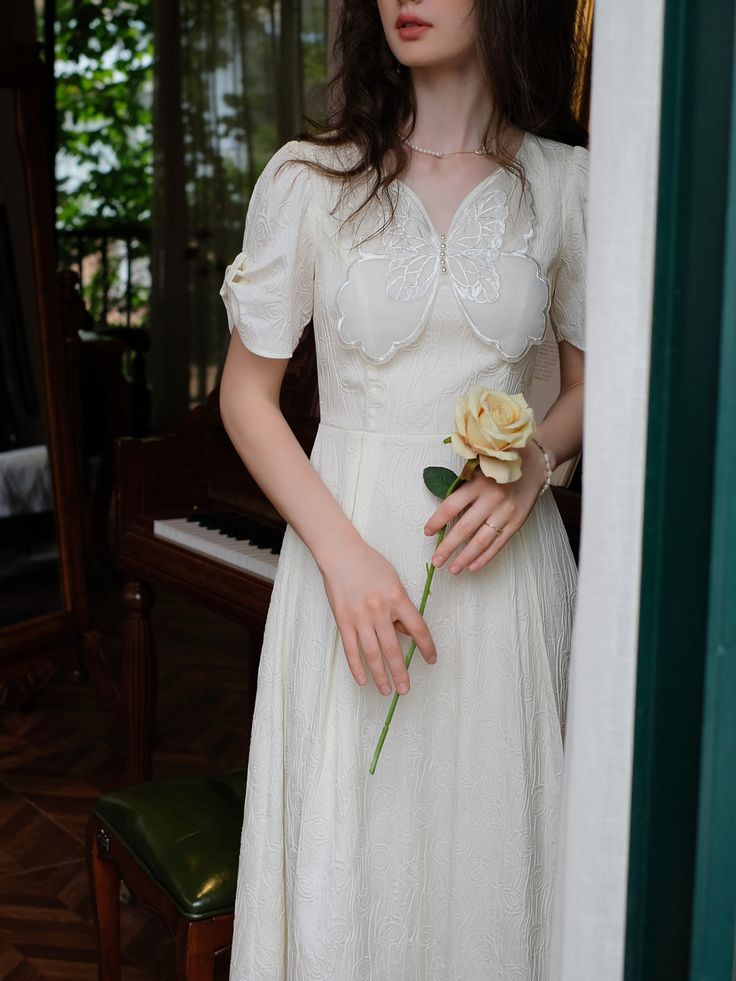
31	650
109	403
175	843
195	470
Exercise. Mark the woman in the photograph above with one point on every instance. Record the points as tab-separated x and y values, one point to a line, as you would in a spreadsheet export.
428	269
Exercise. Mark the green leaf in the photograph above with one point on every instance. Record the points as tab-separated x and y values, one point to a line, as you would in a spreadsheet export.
447	440
438	480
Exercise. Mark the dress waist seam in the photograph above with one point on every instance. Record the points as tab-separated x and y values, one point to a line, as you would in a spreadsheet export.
443	434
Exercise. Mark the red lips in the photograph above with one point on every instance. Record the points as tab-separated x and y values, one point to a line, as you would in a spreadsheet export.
405	20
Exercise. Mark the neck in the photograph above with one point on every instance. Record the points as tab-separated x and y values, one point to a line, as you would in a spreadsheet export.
453	107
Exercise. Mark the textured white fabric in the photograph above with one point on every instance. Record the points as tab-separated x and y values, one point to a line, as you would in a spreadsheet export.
25	481
590	897
440	866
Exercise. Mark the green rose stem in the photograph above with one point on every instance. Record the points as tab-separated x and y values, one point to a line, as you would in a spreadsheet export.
410	652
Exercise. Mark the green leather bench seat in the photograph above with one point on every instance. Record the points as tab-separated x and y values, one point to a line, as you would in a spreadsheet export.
186	833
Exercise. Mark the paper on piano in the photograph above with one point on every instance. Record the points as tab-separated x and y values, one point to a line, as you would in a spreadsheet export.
545	389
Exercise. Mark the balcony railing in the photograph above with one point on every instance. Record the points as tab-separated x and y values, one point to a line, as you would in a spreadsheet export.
114	267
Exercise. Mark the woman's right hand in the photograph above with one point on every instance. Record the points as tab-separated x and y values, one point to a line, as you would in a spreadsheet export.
370	604
368	601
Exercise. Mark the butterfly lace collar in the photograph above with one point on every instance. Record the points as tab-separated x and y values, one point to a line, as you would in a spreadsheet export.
389	291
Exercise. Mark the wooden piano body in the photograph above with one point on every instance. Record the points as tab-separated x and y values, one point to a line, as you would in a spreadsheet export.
164	478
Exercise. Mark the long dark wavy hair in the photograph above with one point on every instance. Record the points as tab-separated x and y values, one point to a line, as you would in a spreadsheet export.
532	52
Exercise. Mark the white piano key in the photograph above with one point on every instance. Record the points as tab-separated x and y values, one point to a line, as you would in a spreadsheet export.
208	541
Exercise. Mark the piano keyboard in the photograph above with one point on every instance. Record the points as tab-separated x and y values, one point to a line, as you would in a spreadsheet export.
226	537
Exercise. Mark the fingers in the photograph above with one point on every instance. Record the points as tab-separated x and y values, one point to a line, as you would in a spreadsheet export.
417	627
452	506
481	540
370	612
374	659
463	529
352	652
491	551
394	656
480	551
381	647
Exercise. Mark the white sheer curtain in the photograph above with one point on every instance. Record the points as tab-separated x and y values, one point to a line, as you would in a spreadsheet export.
590	902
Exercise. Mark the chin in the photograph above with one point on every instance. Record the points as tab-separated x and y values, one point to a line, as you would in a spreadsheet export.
420	54
433	59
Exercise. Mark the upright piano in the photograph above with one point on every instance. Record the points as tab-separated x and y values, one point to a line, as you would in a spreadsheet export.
191	519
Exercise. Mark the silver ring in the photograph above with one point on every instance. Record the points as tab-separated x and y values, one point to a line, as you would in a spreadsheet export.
498	530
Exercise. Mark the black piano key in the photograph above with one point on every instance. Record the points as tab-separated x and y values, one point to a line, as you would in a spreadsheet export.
240	528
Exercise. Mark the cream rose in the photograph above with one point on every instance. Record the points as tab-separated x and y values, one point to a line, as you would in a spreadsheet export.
492	426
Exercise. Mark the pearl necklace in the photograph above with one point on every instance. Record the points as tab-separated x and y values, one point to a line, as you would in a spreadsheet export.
480	151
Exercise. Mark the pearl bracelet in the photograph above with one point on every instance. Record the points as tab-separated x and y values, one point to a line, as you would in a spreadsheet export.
547	466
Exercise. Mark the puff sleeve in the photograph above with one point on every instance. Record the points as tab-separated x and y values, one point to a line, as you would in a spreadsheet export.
268	289
567	311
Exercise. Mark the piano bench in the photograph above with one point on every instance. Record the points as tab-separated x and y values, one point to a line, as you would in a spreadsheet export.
175	843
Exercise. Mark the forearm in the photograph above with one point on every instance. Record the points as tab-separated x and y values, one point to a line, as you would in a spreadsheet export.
561	431
267	446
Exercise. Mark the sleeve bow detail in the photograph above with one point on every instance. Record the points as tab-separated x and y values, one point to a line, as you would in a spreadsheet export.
234	275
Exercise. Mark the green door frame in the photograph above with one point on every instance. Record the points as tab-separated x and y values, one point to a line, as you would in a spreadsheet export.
714	922
676	560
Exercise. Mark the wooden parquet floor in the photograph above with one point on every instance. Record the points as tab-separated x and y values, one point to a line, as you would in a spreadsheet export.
62	750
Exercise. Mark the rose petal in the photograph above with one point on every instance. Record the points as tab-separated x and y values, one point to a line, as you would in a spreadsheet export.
504	409
493	424
459	446
478	439
474	397
499	454
491	431
502	473
502	415
521	438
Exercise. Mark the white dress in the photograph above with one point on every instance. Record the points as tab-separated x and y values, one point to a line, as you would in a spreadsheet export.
440	866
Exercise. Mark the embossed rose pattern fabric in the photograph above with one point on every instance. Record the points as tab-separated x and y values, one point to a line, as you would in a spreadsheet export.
440	866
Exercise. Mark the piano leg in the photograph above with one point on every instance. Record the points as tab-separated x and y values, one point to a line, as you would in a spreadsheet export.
139	680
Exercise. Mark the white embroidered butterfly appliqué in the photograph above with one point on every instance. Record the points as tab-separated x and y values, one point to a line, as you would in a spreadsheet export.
414	257
483	249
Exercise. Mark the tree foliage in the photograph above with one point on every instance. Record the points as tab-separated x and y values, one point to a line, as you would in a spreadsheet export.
249	68
104	72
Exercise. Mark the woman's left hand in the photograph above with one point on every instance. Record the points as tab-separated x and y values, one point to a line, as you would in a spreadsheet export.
483	500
